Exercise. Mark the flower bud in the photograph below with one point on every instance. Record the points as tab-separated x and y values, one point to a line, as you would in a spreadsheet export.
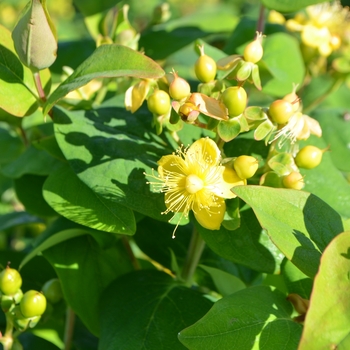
35	37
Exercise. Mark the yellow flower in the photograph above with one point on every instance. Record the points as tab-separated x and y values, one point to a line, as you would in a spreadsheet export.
194	179
323	27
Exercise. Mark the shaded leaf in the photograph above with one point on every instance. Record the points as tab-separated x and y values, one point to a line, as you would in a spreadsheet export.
29	190
296	281
151	309
110	149
31	161
82	265
243	245
302	226
17	218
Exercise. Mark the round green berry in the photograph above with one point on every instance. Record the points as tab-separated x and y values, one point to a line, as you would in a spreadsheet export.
179	88
253	52
33	304
10	281
280	111
235	100
309	157
159	102
52	290
245	166
205	68
294	180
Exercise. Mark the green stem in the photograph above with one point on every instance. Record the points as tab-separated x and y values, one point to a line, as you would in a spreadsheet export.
135	263
335	86
7	338
69	329
194	253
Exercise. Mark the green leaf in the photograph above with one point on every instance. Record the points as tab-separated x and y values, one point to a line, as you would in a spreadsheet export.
111	154
85	270
299	223
10	144
296	281
29	190
31	161
107	61
327	320
289	5
17	95
283	59
151	310
229	129
243	319
264	129
87	208
157	246
243	245
224	281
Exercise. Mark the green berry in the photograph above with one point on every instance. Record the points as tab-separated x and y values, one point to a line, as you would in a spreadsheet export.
245	166
280	111
33	304
179	88
294	181
10	281
53	291
253	52
205	68
159	102
235	100
309	157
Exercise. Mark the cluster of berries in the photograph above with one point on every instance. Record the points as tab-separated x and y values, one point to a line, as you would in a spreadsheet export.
24	310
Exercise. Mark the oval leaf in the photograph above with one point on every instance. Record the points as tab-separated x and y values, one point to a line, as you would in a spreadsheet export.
239	320
107	61
327	320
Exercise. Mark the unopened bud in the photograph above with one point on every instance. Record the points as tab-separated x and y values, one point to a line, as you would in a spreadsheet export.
35	37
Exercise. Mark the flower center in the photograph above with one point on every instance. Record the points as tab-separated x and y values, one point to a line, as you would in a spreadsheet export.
193	184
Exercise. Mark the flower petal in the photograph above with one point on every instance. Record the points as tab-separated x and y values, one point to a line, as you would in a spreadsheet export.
171	163
203	152
211	218
229	179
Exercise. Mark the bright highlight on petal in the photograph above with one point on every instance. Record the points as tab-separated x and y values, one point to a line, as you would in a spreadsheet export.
194	179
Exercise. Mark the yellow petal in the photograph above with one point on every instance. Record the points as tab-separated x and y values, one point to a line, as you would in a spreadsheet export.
203	152
171	163
230	180
211	218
